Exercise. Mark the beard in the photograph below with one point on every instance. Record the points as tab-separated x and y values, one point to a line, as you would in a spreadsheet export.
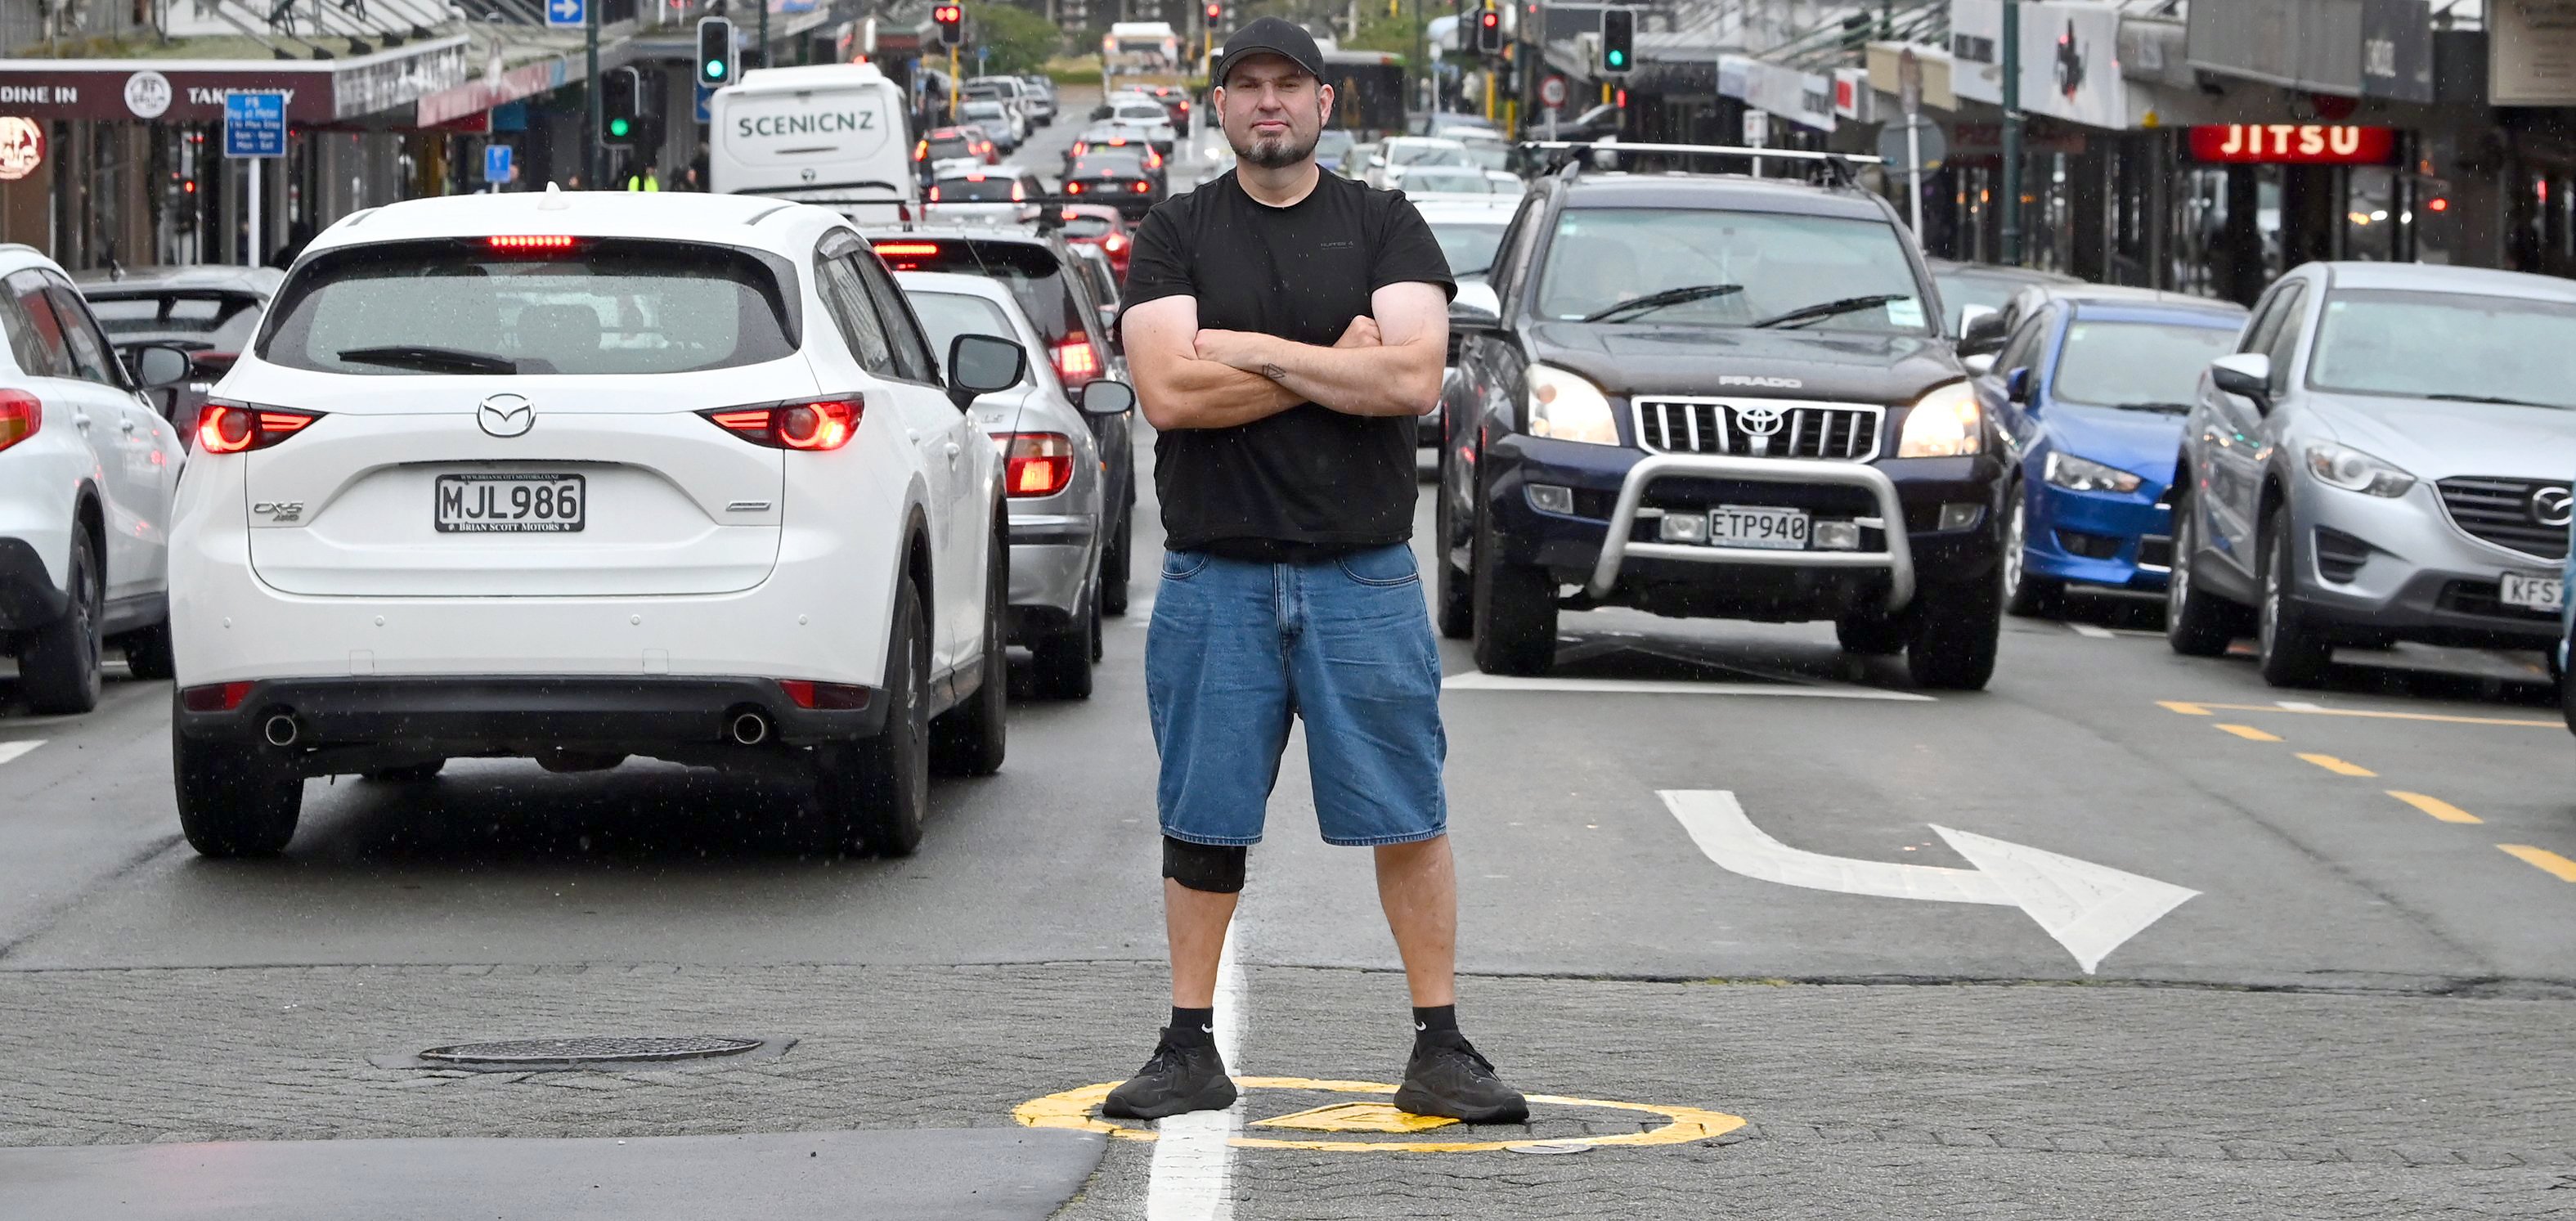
1276	152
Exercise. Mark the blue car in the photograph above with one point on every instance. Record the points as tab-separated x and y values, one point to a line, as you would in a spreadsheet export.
2091	389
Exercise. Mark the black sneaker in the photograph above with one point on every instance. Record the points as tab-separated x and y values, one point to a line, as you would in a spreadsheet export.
1182	1077
1450	1078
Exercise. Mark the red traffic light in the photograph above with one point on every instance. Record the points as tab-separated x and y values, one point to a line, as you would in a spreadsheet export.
1215	12
947	14
1492	19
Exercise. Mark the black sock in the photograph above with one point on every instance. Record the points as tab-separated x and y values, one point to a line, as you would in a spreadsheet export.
1436	1024
1194	1027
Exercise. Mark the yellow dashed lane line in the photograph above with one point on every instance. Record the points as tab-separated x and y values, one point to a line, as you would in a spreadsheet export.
2335	765
2435	806
2544	860
2249	733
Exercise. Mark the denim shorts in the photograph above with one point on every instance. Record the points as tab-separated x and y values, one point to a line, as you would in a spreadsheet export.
1237	648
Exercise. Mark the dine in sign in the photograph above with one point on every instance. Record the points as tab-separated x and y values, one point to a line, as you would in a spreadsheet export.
2293	144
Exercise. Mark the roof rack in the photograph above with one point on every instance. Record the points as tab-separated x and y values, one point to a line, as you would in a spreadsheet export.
1562	158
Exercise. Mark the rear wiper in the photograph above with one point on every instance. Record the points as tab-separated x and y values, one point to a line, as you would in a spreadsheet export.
2166	407
1829	309
2489	398
1656	301
430	359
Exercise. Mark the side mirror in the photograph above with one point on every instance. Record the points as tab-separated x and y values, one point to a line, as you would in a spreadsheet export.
982	364
1100	112
156	365
1476	307
2245	374
2017	384
1979	364
1982	334
1105	397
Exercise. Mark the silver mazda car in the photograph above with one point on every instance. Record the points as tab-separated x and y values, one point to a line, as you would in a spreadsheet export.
2385	457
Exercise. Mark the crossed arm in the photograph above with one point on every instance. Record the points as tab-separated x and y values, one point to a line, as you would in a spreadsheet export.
1388	365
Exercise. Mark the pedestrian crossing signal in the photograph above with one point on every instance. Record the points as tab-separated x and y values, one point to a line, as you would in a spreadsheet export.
715	52
951	19
1618	40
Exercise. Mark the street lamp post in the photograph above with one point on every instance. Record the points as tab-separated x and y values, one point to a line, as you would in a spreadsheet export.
591	168
2012	132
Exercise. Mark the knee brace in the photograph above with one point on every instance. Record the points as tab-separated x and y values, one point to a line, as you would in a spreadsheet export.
1214	868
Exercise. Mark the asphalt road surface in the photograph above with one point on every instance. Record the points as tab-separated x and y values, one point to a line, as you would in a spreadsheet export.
1772	935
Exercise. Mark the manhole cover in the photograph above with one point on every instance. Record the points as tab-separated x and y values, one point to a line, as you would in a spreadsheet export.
594	1050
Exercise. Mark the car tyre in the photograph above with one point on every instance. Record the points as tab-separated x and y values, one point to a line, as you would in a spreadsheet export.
1454	590
1114	563
59	668
876	791
1515	608
148	653
1871	635
1061	660
416	773
2025	595
1955	631
234	801
972	738
2197	622
2290	650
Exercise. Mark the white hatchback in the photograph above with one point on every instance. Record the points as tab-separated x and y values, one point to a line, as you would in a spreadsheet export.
579	477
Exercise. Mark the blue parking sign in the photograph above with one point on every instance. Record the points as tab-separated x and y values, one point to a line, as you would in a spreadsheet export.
560	13
705	92
496	163
254	124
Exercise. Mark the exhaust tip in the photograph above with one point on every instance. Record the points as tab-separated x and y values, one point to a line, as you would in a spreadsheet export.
282	730
749	729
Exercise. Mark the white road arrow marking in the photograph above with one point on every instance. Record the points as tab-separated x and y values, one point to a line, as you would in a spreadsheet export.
11	750
2089	909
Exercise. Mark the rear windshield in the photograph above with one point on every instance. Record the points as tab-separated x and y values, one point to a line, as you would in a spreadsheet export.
1087	226
602	306
945	316
217	321
1109	165
1030	271
976	190
950	146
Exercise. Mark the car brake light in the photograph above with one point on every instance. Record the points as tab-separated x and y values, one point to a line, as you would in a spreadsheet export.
807	694
810	424
1114	243
934	194
1036	463
1141	187
1076	361
921	151
901	249
225	427
1073	188
1019	192
529	243
220	697
21	414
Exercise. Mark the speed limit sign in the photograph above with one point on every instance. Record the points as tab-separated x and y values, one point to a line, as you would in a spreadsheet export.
1551	92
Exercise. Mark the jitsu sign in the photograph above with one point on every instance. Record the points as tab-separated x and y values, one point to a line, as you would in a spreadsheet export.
2293	144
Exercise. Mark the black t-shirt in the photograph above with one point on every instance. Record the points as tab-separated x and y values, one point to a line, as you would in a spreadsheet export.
1309	482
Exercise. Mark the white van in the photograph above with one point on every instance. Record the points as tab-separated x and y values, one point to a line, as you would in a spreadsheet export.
830	134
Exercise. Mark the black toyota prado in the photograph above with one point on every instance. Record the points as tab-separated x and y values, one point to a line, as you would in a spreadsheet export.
1711	395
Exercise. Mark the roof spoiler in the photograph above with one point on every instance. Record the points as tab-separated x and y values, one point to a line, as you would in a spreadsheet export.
1560	156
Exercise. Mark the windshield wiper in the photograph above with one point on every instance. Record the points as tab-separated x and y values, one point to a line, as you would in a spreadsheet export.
430	359
1670	296
1829	309
2166	407
2489	398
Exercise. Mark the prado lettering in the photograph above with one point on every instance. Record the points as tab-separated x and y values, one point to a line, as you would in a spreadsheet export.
2293	144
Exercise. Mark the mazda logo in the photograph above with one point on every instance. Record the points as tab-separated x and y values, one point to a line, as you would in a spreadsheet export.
506	415
2549	506
1759	421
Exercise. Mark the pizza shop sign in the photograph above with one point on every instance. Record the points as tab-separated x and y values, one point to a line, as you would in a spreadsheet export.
2293	144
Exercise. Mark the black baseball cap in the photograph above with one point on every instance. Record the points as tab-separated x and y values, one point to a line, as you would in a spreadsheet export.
1274	36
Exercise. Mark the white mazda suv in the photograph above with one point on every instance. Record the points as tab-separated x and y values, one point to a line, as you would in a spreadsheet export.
575	477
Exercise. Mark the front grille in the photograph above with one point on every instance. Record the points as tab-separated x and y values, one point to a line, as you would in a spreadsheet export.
2501	511
2486	598
1760	428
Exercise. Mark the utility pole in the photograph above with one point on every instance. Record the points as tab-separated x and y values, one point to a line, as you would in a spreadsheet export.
592	171
2012	132
764	32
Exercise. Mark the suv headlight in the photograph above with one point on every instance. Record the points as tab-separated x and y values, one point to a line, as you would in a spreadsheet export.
2354	471
1566	407
2085	475
1946	423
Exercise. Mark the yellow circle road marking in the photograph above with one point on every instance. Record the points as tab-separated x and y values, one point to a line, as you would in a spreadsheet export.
1077	1109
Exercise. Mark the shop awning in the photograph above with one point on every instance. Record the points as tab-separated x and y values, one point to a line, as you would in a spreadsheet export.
192	91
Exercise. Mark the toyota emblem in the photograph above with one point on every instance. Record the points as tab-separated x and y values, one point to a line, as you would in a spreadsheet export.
506	415
1761	421
2549	506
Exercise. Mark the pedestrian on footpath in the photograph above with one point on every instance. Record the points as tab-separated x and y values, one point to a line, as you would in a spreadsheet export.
1285	327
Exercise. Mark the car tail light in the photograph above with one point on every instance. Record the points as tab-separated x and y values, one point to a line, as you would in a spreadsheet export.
934	194
1114	243
1076	361
809	424
1073	188
897	250
220	697
529	243
1019	192
21	414
1153	160
1036	463
921	151
1141	186
805	694
226	427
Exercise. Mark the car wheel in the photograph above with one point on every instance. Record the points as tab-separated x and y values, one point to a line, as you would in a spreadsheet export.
59	667
1955	632
2026	595
148	653
417	773
234	800
876	791
972	738
1061	668
1515	608
2197	622
2291	651
1454	589
1113	565
1870	635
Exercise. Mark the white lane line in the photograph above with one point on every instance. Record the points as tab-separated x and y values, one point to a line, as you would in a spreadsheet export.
11	750
2301	706
2093	631
1193	1155
1479	681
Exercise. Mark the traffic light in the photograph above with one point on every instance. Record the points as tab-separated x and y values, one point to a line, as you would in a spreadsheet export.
715	52
952	23
619	91
1489	30
1618	41
1215	13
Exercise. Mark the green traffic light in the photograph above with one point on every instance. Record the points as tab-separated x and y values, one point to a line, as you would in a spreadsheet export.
1618	59
715	69
617	127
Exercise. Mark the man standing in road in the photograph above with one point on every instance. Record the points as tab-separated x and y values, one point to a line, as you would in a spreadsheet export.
1285	326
